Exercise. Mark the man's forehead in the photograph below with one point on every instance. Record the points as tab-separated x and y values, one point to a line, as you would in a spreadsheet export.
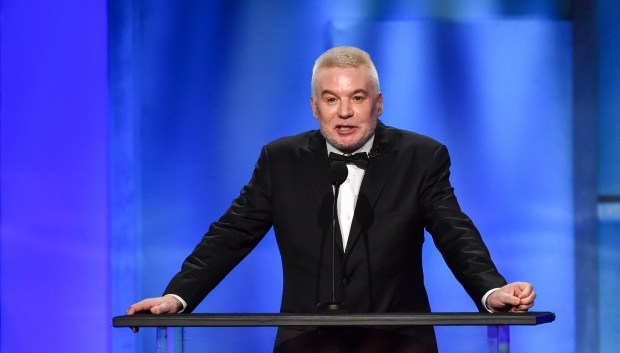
356	75
353	70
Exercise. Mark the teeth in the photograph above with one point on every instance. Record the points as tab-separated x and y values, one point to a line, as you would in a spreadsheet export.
344	128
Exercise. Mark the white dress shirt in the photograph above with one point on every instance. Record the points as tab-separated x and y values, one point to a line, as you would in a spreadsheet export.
349	190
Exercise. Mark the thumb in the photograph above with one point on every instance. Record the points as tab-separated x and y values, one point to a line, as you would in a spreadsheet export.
510	299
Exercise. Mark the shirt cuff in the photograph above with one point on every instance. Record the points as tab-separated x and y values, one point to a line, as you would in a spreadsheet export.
484	299
181	300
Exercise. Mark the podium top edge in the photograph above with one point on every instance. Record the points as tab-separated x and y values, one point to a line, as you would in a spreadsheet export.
373	319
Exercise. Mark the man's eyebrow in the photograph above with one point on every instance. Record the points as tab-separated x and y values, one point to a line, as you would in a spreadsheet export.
357	91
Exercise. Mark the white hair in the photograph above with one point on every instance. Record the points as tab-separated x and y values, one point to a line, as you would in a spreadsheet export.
345	57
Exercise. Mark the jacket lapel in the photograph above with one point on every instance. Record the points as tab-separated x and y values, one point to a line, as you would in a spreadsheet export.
379	168
316	166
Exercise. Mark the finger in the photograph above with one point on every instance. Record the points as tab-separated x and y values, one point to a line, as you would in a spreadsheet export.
508	289
508	299
157	309
503	301
526	290
520	308
140	306
143	305
524	306
133	309
527	304
160	308
529	299
163	308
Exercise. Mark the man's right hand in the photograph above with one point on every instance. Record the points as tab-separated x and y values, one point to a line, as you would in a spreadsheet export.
167	304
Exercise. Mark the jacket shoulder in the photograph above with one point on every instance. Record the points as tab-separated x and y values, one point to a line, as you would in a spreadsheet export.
406	140
292	143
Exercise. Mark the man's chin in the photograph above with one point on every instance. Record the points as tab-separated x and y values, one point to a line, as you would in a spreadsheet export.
346	147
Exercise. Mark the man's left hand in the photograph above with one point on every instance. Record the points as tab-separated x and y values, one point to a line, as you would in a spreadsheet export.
513	297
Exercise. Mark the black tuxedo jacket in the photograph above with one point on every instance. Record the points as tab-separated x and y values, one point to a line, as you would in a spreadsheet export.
405	189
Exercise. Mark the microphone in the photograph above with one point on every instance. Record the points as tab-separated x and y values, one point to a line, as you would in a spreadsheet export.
374	151
338	173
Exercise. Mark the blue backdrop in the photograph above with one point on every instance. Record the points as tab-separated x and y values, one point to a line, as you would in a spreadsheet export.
497	92
108	181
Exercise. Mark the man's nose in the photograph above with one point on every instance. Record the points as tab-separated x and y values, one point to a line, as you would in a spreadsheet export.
344	110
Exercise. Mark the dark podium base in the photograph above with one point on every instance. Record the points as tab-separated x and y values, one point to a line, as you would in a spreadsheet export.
357	339
372	325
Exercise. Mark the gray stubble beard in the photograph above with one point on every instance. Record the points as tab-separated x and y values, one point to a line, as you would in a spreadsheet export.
353	147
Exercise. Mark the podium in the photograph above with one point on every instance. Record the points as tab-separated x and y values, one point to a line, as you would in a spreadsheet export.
170	326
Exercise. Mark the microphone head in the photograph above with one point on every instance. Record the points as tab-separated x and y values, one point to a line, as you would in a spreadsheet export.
338	173
374	151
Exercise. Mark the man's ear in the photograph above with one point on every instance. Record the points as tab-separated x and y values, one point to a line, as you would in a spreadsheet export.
379	104
314	107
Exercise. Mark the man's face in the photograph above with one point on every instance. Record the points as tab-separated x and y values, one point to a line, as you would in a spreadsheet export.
346	105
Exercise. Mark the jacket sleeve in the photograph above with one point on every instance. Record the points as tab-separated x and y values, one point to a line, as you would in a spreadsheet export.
228	240
454	233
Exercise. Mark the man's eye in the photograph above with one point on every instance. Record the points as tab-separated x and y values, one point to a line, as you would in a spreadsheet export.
331	100
358	98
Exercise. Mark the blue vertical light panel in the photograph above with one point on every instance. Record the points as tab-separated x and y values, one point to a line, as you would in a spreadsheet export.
609	174
498	93
53	169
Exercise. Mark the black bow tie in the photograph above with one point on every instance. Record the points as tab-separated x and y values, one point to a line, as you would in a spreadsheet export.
360	159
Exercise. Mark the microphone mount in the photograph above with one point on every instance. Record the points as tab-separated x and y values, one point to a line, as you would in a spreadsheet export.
338	173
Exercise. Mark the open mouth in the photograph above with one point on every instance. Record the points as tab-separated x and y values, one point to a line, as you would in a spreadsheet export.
344	129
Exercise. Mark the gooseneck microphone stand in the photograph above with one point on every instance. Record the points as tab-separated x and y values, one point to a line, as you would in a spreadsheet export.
338	173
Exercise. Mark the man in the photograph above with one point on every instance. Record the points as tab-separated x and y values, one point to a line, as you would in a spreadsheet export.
401	187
